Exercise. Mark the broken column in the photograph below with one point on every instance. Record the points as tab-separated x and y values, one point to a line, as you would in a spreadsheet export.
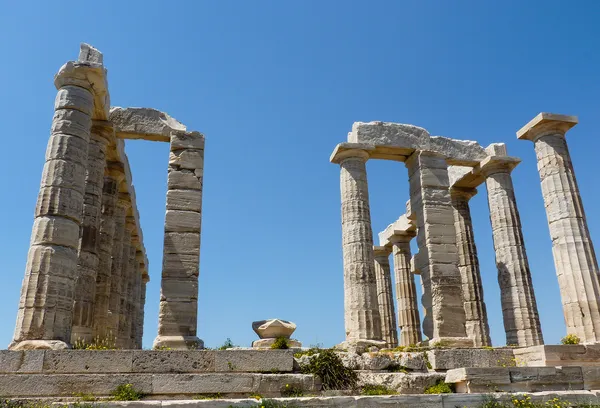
45	313
179	285
519	307
361	309
102	135
475	311
385	296
572	248
436	238
113	177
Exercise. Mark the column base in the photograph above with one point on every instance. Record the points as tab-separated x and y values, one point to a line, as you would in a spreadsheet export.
360	346
39	345
178	343
456	342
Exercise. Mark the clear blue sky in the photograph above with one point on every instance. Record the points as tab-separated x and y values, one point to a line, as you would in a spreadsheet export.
275	86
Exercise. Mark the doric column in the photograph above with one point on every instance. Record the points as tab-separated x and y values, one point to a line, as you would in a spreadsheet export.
116	268
45	312
135	299
519	308
114	175
468	265
145	278
385	296
361	308
406	293
574	255
436	238
102	134
177	320
124	333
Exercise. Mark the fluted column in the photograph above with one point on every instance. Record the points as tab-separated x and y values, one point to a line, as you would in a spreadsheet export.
519	307
177	319
142	308
136	299
436	238
468	265
406	292
124	332
385	296
114	175
361	308
116	269
85	288
45	313
574	256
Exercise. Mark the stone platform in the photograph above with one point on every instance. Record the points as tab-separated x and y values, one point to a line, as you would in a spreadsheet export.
559	355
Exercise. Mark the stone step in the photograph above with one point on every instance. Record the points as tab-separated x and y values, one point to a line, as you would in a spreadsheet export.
523	379
145	361
396	401
155	385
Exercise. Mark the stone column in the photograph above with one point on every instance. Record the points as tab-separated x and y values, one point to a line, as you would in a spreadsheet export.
519	308
177	318
140	331
45	313
361	308
385	296
135	300
85	289
468	265
116	269
124	333
572	248
406	292
436	238
113	177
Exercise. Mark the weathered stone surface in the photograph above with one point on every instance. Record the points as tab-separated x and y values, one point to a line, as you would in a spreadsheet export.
361	311
144	123
182	221
574	255
184	179
87	361
558	355
29	362
186	140
165	361
267	343
273	328
385	296
184	200
413	383
447	359
189	159
180	265
254	360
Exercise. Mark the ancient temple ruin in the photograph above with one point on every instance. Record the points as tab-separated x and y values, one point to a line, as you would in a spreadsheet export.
443	175
87	267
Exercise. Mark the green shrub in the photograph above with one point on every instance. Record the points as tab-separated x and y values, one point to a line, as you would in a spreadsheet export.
570	339
292	391
331	371
281	343
376	389
439	388
228	344
310	352
126	392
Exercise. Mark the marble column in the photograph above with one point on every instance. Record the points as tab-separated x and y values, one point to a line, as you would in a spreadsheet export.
385	297
116	269
177	320
45	313
135	300
436	238
519	307
102	134
114	175
468	265
406	292
574	256
140	321
124	334
361	308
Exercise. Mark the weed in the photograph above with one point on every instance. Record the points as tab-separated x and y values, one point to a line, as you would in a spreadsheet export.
439	388
108	342
212	396
228	344
292	391
570	339
427	362
281	343
310	352
126	392
377	389
85	397
332	372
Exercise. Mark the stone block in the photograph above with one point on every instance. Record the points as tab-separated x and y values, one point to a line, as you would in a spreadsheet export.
187	140
184	179
187	243
273	384
74	97
190	159
63	147
87	361
30	361
64	202
254	360
176	361
176	290
403	383
184	200
165	384
182	221
558	355
144	123
448	359
591	378
180	265
55	231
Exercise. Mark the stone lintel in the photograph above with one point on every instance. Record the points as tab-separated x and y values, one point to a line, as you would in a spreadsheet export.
381	251
546	122
401	229
144	123
492	163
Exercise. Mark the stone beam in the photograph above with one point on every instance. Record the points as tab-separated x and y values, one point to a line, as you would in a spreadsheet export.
473	177
402	226
144	123
396	141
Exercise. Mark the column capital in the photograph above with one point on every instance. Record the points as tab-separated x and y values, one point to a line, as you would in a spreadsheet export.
124	201
402	238
498	164
103	130
131	226
90	76
381	252
546	124
116	171
345	151
463	192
